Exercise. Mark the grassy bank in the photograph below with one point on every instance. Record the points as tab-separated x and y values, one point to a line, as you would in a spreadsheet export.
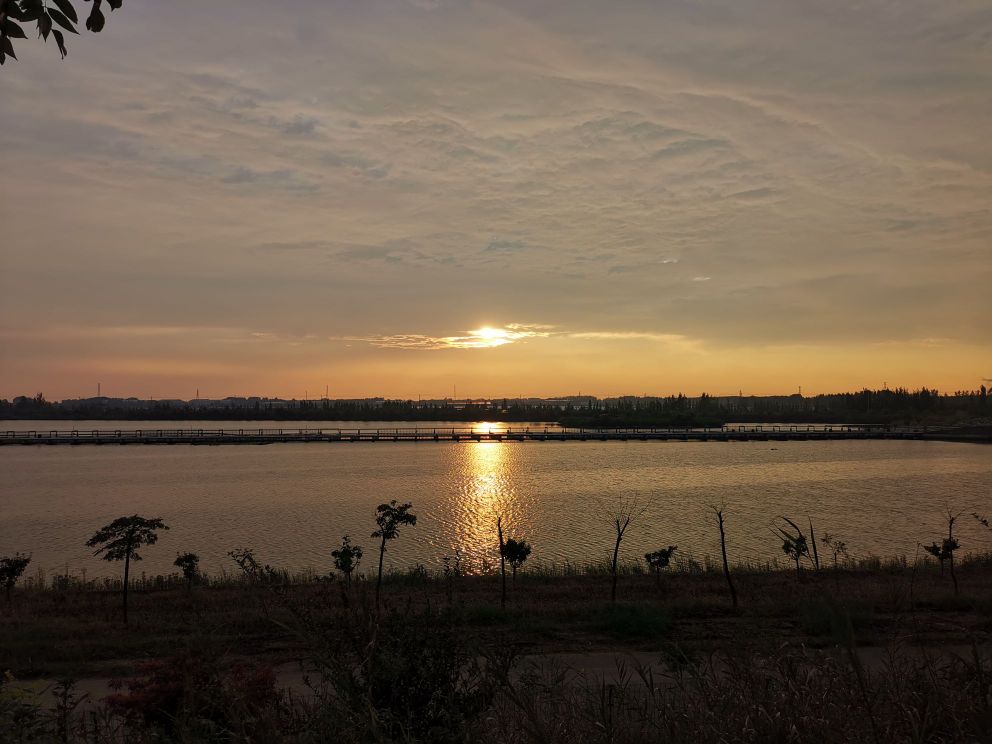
68	628
443	661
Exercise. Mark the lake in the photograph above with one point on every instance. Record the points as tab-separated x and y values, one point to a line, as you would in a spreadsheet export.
293	502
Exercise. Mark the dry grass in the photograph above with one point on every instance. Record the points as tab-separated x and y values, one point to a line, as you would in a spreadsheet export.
77	632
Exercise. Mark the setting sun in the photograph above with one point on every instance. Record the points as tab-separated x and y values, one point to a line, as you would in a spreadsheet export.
490	337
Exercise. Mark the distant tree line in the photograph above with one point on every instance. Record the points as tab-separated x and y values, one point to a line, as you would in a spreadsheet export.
896	406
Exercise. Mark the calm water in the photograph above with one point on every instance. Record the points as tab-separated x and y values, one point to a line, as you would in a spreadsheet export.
293	502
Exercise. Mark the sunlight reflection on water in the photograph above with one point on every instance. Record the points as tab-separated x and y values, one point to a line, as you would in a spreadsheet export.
293	502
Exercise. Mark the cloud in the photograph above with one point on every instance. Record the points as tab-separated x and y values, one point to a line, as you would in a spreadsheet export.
372	155
480	338
494	337
670	339
301	126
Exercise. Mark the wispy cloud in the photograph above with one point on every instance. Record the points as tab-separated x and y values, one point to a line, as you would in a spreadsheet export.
479	338
494	337
276	176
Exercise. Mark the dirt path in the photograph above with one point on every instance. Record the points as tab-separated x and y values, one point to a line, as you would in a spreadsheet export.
574	668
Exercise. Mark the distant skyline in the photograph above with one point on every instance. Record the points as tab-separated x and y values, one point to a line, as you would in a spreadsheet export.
537	198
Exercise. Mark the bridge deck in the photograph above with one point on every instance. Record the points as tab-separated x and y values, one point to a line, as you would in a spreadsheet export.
448	434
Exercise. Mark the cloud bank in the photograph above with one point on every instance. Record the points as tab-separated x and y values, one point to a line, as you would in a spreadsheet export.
755	175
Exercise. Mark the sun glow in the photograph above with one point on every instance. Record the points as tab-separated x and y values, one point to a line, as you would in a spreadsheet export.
490	337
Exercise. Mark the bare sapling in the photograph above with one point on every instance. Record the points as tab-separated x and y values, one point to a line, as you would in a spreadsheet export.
723	552
624	512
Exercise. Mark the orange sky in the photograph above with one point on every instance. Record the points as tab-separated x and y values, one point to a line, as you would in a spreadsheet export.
649	198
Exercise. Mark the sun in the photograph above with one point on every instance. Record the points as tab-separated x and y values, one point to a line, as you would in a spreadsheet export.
490	334
488	337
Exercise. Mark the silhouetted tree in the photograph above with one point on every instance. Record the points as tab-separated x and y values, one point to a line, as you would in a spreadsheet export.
945	550
48	15
252	569
625	511
723	551
389	517
189	564
659	560
11	568
516	552
120	540
794	545
837	547
347	557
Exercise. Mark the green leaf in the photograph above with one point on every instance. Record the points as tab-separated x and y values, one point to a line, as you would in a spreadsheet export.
60	41
66	7
12	30
115	4
95	20
60	19
6	47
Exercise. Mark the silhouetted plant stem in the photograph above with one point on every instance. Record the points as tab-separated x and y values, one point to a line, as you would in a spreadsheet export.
502	561
378	579
950	538
616	553
816	553
127	571
624	511
723	551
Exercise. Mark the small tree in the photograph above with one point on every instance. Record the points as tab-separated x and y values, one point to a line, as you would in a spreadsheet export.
837	547
254	571
516	552
389	517
11	569
659	560
347	557
121	539
794	545
624	512
723	551
945	550
189	564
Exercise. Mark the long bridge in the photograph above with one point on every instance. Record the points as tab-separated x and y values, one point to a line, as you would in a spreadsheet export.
246	435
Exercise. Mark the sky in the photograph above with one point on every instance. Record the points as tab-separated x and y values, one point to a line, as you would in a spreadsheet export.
409	197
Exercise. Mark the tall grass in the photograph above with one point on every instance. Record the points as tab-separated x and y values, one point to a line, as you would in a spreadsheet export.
684	564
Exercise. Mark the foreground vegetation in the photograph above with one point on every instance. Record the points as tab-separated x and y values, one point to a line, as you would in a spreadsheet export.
723	652
441	661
